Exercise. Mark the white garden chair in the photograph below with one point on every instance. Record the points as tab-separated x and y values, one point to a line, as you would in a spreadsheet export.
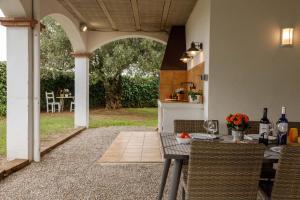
50	100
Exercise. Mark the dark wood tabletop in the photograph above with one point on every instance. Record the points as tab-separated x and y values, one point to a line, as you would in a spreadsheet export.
173	150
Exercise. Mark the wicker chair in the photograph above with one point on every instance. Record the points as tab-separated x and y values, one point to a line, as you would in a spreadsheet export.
190	126
254	128
287	180
222	171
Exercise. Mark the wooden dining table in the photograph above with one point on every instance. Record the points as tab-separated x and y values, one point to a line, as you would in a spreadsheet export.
172	150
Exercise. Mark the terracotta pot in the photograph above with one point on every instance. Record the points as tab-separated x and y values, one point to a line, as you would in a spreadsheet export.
180	97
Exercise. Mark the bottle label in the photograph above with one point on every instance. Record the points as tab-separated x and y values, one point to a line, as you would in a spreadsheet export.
264	128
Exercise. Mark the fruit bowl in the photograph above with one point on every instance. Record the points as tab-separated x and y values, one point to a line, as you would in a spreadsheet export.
183	138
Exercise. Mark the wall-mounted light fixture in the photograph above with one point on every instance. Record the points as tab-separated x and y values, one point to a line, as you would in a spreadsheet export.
287	36
83	27
195	48
185	57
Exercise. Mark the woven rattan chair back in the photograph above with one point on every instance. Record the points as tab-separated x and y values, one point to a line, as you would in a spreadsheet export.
190	126
254	127
224	171
287	179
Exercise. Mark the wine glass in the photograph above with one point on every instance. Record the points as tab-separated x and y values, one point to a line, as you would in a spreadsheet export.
211	126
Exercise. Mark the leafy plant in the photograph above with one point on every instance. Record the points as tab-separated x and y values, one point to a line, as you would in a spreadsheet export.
194	94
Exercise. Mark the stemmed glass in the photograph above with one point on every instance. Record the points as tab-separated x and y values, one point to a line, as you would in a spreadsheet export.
211	126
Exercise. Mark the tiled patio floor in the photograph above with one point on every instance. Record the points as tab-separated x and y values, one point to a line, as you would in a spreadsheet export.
134	147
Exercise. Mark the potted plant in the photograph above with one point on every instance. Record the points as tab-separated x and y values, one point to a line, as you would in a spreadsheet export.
195	96
237	124
180	94
66	92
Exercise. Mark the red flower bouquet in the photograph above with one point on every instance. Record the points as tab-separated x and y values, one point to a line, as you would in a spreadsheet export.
238	122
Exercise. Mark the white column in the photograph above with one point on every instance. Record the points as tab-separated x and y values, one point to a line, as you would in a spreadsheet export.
36	94
19	93
36	84
81	89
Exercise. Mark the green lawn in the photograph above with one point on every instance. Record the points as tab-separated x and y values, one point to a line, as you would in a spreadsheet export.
59	123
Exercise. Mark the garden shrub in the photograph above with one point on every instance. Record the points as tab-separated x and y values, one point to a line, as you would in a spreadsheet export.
140	92
2	89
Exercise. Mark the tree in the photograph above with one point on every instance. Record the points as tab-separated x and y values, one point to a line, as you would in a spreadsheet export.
56	59
126	57
134	57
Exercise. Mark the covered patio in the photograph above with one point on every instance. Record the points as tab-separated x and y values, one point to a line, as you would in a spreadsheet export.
233	56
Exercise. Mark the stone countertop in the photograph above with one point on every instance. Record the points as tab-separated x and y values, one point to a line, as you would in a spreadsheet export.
176	104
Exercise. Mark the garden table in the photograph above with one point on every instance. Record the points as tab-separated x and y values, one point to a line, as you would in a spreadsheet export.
62	101
172	150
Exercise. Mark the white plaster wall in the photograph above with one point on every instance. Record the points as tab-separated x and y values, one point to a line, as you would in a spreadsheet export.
248	68
15	8
198	30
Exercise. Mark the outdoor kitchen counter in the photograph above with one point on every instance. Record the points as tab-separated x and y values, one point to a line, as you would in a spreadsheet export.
168	111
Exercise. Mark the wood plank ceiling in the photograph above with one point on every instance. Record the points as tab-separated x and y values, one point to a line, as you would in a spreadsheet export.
130	15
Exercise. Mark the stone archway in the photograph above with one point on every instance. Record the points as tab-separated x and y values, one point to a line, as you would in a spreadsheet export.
98	39
71	30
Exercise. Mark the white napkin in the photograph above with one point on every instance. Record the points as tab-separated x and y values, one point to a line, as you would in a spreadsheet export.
203	136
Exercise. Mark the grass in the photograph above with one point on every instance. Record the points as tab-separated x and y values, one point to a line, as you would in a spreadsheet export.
58	123
124	117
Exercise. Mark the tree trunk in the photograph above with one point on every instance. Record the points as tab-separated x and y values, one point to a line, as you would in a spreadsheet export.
113	89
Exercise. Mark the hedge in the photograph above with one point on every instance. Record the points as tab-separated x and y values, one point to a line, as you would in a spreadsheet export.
136	92
140	92
2	89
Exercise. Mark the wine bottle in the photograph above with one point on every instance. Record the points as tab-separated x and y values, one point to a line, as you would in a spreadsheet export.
282	128
264	128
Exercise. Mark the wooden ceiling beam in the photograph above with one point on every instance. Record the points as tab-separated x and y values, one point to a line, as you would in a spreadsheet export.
136	14
101	4
165	14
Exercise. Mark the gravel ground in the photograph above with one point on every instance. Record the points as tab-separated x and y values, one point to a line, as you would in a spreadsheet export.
71	171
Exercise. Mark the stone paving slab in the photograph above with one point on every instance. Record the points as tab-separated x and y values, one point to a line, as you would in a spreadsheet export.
134	147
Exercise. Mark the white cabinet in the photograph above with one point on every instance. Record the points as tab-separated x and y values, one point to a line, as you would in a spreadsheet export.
170	111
